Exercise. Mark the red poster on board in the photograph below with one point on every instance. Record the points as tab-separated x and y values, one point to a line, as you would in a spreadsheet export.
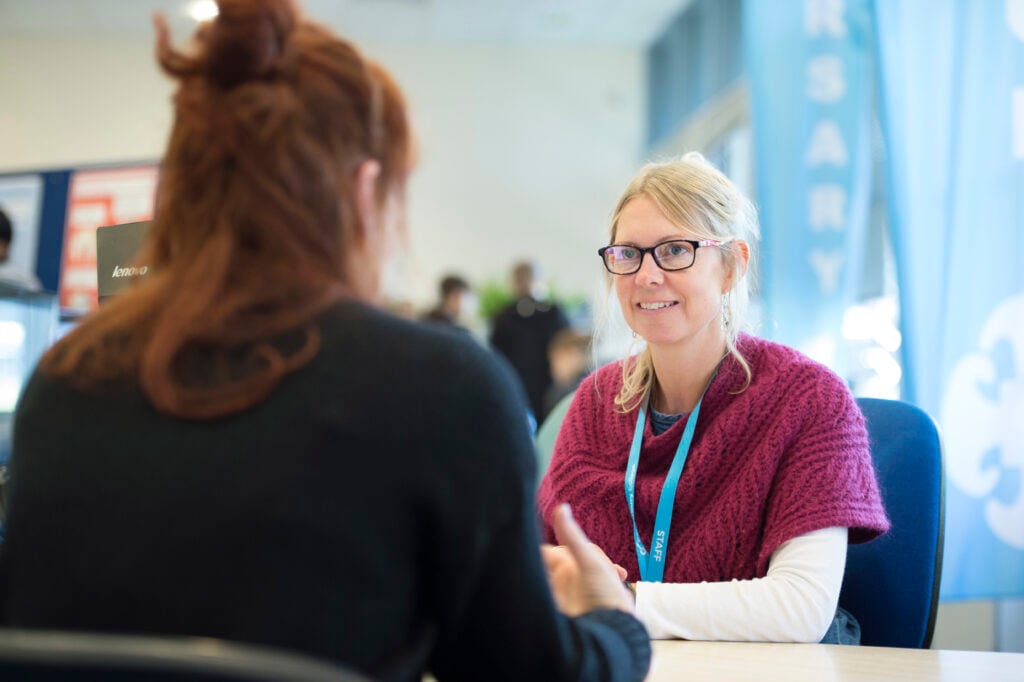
98	198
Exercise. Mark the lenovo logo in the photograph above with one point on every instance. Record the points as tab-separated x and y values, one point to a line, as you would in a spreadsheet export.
129	272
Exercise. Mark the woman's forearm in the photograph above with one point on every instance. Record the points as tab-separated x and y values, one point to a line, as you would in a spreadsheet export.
794	602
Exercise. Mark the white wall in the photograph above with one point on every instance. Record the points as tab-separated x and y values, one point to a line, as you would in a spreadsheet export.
76	101
523	150
968	625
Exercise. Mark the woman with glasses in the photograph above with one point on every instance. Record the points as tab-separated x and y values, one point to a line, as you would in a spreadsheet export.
725	473
244	446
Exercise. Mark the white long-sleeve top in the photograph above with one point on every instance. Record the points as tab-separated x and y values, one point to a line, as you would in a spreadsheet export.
795	602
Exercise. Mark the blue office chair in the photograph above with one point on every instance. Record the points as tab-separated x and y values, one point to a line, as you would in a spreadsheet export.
891	584
60	656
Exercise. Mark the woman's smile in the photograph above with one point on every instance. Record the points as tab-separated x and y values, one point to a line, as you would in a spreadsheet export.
654	306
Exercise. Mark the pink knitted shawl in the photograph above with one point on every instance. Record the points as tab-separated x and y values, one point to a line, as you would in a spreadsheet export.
787	456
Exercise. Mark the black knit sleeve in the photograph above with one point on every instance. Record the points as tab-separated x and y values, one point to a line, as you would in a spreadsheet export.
499	619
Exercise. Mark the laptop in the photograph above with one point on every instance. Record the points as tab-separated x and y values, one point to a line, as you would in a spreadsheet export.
116	264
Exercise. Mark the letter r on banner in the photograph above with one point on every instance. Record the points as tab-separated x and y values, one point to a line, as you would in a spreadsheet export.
826	208
825	17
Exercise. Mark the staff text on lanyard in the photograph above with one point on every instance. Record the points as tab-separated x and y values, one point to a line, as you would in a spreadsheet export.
652	564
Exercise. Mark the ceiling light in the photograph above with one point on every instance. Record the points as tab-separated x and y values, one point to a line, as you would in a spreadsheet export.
202	10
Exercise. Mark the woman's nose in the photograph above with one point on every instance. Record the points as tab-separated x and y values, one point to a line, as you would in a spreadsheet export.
649	273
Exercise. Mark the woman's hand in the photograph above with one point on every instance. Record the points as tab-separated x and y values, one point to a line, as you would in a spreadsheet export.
582	577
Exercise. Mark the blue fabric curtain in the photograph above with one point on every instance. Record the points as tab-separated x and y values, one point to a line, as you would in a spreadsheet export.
951	76
809	67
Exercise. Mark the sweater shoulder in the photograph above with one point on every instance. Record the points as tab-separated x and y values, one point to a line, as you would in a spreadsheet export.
802	388
609	376
374	363
598	390
781	363
354	333
593	416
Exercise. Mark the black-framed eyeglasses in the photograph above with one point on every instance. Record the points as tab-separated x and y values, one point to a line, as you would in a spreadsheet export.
673	255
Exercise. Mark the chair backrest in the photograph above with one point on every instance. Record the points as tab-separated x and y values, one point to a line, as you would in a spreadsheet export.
891	584
59	656
548	432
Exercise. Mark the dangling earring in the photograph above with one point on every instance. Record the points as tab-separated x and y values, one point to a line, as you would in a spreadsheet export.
725	311
634	334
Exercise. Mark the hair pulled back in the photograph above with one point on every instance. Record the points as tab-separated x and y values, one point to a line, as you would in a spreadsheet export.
273	116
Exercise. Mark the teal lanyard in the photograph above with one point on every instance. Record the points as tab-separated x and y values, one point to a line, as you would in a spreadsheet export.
652	565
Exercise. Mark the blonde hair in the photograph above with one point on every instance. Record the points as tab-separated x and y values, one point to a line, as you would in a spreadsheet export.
693	193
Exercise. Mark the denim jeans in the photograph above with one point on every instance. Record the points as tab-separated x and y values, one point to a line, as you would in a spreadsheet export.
844	629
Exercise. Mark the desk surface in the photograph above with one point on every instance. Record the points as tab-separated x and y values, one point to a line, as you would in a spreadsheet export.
739	661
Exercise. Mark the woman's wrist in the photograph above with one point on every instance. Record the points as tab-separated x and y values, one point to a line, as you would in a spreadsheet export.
632	589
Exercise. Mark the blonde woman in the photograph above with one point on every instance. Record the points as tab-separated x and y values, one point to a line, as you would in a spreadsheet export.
724	472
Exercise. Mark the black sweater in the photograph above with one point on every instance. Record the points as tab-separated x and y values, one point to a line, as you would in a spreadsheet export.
377	509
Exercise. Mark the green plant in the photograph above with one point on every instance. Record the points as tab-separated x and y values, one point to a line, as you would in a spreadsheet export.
493	297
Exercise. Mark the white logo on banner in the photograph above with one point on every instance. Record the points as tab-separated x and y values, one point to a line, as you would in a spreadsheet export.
983	431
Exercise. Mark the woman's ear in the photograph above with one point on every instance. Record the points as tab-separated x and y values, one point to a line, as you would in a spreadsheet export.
368	208
740	252
363	254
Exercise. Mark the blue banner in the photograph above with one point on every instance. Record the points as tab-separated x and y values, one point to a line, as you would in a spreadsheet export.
809	66
952	89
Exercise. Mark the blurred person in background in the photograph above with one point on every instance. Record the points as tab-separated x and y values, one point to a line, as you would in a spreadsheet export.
568	355
12	274
245	446
523	331
454	303
725	473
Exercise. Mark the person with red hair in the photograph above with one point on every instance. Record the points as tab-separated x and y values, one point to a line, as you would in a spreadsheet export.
245	446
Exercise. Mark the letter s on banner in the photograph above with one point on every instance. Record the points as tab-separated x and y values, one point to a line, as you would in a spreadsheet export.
826	80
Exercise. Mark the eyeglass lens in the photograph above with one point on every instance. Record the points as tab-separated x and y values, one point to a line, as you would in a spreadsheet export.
674	255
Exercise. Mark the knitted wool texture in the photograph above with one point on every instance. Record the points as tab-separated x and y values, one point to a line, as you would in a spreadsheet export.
787	456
